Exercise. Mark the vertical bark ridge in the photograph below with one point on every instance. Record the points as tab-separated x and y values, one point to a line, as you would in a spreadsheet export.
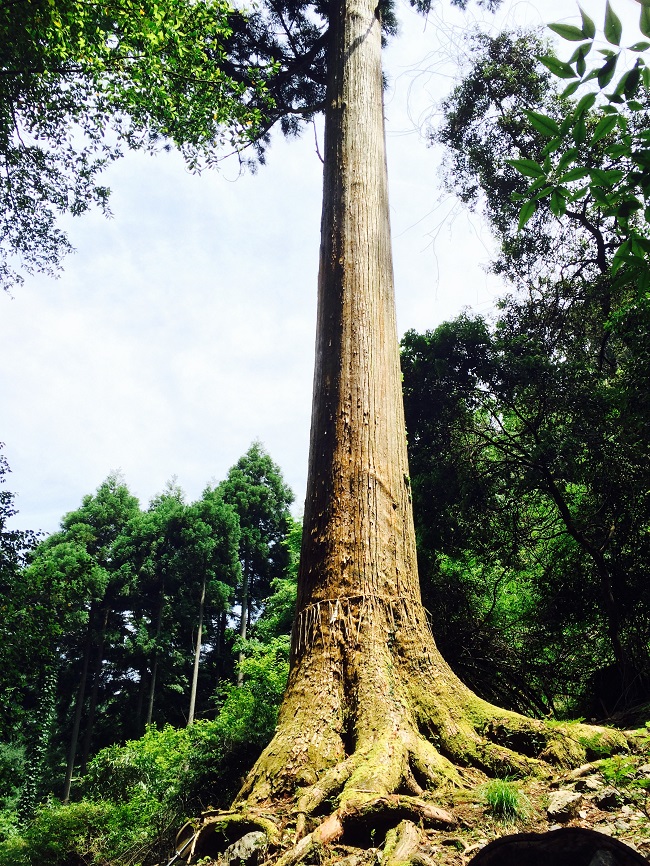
358	537
370	701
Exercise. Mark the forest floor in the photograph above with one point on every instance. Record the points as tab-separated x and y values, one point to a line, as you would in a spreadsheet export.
611	796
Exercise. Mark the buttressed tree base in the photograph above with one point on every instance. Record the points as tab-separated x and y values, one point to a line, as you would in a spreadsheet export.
374	722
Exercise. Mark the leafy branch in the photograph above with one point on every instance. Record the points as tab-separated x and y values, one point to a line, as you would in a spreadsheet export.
599	151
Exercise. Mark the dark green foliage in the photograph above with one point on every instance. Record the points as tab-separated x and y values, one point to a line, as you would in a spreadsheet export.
257	492
529	456
137	795
81	80
493	151
15	545
115	597
546	447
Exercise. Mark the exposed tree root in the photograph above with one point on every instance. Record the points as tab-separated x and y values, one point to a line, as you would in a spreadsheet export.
382	794
373	730
216	830
358	825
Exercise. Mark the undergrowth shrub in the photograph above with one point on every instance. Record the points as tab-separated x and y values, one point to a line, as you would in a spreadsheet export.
135	797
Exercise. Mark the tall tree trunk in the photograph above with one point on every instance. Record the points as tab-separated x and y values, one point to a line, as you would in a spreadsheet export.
38	735
371	708
79	702
197	654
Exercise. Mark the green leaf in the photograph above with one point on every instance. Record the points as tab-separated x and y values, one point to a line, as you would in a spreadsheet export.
581	51
579	193
580	131
605	178
644	21
621	254
558	203
570	89
543	123
584	105
599	196
526	213
588	26
553	145
557	67
566	124
617	150
527	167
613	28
639	46
575	174
604	127
536	185
581	65
568	31
606	71
632	83
567	158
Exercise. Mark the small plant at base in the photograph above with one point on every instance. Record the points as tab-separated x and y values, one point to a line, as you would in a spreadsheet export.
619	771
504	800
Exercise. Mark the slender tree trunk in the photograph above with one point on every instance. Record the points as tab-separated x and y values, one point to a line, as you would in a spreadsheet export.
79	702
141	694
92	707
243	621
154	664
38	737
197	654
609	604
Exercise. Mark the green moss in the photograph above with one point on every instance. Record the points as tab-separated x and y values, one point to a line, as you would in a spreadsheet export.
565	752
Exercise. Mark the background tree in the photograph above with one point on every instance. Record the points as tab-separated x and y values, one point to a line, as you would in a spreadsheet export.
611	160
541	463
116	597
14	547
82	555
256	491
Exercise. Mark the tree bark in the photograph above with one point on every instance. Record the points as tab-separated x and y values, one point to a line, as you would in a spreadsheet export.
197	653
372	712
154	664
243	620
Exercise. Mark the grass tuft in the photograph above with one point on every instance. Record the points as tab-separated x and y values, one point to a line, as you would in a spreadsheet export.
504	800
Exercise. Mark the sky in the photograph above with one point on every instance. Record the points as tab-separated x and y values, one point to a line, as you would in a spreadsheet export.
182	329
